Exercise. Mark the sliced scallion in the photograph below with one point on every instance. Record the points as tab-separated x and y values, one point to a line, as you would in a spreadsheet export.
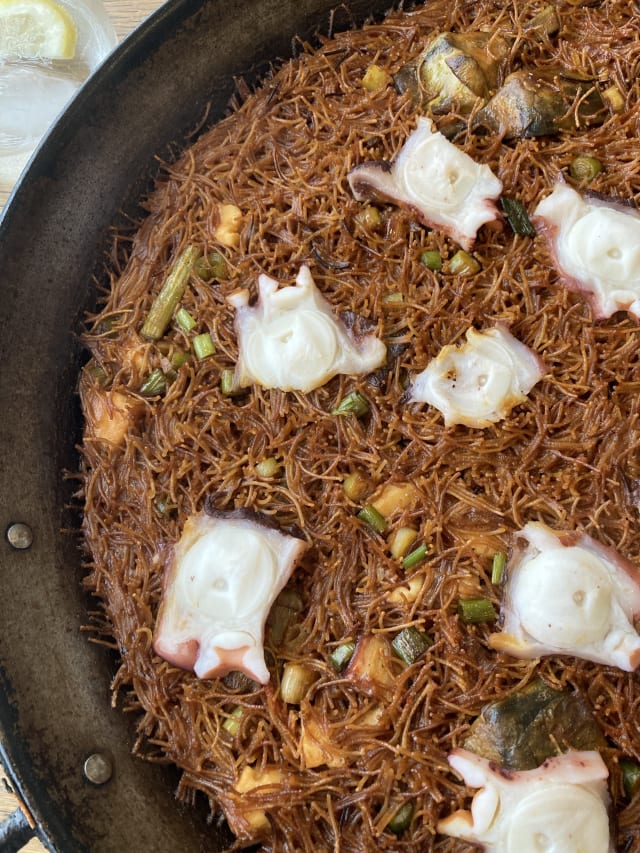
415	557
410	644
268	467
97	372
401	821
228	385
476	610
498	566
203	346
154	384
184	321
373	518
232	723
166	302
463	263
341	655
214	265
584	168
355	486
517	217
353	404
179	358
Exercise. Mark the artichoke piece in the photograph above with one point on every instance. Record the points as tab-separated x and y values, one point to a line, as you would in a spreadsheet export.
545	24
458	69
522	730
530	105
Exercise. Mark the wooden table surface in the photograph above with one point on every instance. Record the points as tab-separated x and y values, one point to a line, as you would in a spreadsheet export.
125	14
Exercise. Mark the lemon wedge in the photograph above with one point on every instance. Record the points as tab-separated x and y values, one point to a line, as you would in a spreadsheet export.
36	29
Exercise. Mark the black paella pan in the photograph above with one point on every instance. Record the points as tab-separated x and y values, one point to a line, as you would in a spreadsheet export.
145	102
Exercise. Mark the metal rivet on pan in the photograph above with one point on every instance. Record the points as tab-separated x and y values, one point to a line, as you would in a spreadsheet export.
20	536
98	769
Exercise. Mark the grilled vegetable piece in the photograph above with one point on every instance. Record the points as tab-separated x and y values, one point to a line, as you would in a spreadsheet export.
522	730
371	665
458	69
534	105
517	216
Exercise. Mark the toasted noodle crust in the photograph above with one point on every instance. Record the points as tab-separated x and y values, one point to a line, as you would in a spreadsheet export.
566	456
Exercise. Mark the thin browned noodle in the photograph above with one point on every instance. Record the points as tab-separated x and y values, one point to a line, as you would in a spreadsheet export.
568	456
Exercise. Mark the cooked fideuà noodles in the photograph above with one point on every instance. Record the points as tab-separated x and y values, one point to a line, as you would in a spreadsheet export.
410	526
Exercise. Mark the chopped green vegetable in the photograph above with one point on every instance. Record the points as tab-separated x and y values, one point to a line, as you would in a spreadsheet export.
462	263
373	518
154	384
498	567
390	298
416	557
268	467
630	776
97	372
228	385
203	346
179	358
410	644
213	266
401	820
517	217
232	723
355	486
170	294
432	260
584	168
353	404
475	610
184	320
341	656
369	217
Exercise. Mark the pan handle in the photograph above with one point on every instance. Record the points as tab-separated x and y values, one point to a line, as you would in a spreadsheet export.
15	832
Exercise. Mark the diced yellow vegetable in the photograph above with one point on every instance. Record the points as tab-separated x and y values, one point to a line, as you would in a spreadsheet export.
401	540
369	217
296	681
407	593
614	98
395	497
249	780
317	747
229	223
375	78
110	414
371	665
375	716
